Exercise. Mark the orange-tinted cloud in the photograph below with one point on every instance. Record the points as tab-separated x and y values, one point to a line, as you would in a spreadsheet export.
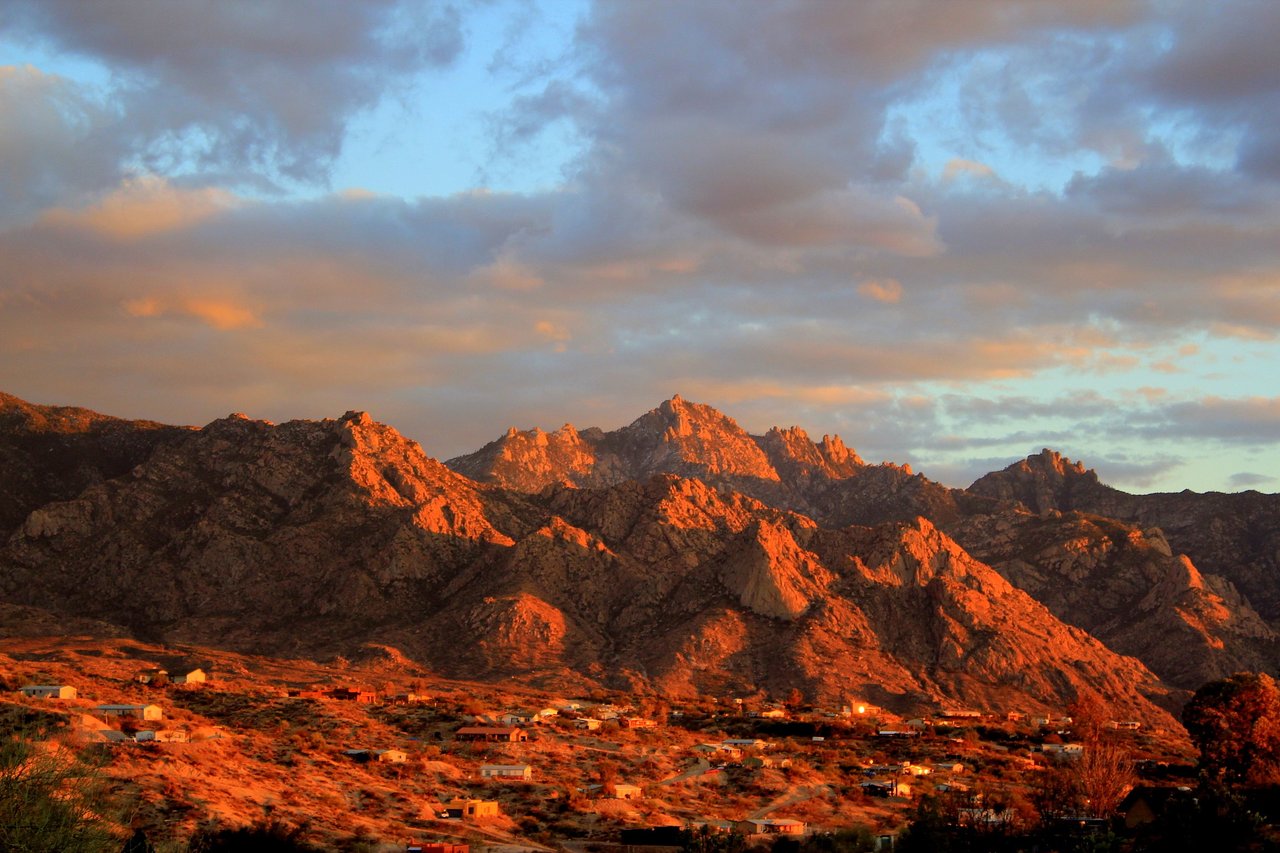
141	208
218	313
886	290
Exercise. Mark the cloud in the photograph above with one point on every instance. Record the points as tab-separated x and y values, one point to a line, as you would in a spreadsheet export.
1223	68
221	314
57	141
1250	420
957	167
252	91
141	208
1249	479
882	290
1068	194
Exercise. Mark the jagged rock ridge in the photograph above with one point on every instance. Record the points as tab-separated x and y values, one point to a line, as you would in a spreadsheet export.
1235	536
1135	597
318	537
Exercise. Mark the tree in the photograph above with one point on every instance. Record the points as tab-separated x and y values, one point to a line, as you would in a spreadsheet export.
1235	722
1104	774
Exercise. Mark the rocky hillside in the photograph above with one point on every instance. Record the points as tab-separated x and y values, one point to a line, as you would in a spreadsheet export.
52	453
1135	598
1236	536
313	538
1127	587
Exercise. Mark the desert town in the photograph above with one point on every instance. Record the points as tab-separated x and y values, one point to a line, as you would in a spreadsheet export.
411	763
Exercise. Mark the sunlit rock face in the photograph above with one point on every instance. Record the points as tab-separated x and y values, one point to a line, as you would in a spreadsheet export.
1232	539
1126	587
678	554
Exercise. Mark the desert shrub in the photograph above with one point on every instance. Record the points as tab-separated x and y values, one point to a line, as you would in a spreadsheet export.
30	723
50	801
266	837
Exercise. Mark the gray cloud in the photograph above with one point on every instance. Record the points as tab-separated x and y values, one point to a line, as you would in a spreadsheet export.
248	91
1248	480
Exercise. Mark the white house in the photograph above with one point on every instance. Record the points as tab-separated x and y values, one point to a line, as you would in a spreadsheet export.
194	676
523	772
770	826
49	691
143	712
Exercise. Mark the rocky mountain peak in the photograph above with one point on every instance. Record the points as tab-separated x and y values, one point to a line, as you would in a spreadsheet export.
837	454
1042	482
1051	462
692	439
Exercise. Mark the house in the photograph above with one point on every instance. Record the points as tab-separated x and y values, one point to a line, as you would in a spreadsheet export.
142	712
390	756
719	750
962	714
588	723
151	676
360	756
472	809
745	743
1063	750
523	772
1125	725
491	734
773	714
637	723
949	787
108	736
1148	803
49	691
353	694
770	826
894	786
191	676
627	792
517	718
410	698
162	736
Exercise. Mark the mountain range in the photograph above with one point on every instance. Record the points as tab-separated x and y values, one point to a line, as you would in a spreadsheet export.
677	555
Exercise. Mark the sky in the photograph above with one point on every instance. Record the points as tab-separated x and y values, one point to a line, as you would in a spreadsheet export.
953	233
